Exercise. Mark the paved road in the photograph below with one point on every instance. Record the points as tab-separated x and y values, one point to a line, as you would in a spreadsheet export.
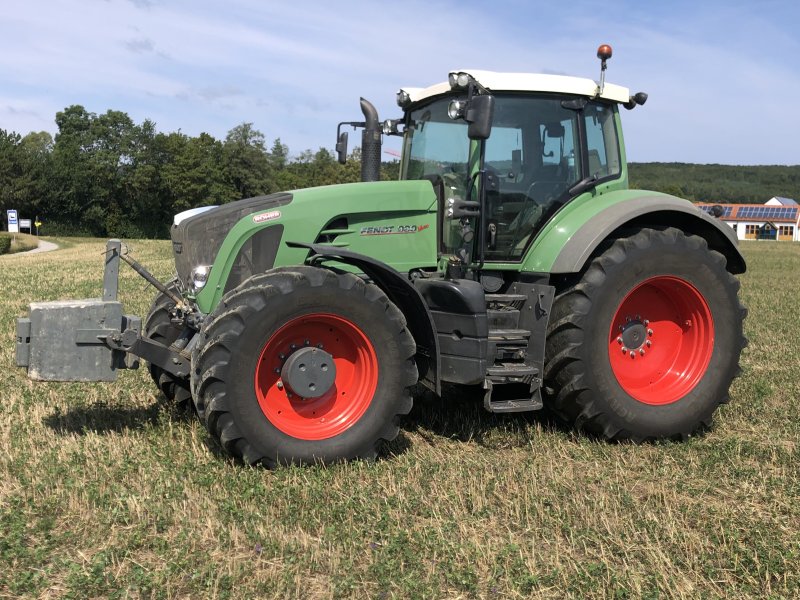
44	247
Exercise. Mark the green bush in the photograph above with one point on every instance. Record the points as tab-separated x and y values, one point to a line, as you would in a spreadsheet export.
5	243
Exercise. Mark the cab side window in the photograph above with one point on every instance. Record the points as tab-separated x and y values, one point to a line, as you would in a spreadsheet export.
601	140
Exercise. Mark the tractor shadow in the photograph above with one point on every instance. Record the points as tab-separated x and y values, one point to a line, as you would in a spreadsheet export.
459	415
104	418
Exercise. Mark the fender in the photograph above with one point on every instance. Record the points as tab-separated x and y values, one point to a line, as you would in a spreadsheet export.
402	293
644	209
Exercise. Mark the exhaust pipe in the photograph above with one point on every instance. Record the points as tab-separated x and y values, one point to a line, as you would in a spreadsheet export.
370	143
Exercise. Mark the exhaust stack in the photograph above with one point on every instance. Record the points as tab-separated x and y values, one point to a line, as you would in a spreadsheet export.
370	143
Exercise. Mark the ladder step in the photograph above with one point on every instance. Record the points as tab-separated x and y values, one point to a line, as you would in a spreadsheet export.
512	370
512	406
505	300
501	399
509	335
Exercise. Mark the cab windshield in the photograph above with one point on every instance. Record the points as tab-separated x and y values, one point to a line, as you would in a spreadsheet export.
532	158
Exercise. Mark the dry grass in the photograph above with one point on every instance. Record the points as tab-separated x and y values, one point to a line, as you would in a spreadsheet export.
105	492
22	242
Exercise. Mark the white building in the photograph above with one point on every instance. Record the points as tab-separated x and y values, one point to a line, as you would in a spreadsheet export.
777	219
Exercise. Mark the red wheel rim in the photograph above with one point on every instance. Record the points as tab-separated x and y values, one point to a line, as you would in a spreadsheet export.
661	340
348	398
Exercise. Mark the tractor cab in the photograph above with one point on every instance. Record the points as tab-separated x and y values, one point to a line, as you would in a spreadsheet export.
506	151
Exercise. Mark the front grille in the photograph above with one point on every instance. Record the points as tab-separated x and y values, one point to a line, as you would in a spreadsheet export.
197	240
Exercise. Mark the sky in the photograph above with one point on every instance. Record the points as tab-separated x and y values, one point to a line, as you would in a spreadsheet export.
723	77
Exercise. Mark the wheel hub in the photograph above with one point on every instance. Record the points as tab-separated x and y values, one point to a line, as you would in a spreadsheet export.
634	335
309	372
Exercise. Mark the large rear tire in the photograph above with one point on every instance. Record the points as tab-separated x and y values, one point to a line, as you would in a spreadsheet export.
645	344
159	327
251	385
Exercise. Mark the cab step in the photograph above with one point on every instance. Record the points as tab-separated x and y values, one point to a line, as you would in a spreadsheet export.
510	372
509	301
500	398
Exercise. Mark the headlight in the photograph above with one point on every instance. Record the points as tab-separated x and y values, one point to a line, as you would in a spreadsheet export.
200	277
458	80
403	99
455	110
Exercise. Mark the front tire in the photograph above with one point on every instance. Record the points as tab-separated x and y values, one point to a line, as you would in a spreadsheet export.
241	364
645	344
159	327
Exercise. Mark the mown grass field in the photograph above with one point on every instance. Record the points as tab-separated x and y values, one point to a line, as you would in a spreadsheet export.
105	492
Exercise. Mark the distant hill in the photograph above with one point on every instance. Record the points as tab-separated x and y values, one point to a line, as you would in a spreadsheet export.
717	183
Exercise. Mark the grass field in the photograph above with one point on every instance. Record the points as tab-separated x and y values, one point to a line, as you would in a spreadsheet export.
107	492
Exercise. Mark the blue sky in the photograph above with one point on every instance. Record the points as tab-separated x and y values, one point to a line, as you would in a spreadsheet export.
723	77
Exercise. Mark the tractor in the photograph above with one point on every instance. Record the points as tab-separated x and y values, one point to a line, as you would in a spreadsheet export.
510	255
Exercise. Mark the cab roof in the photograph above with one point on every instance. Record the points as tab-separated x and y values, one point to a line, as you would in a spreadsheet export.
526	82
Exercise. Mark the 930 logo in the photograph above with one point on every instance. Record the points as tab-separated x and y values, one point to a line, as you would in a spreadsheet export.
392	229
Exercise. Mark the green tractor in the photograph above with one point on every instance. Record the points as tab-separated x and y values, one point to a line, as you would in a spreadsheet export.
510	256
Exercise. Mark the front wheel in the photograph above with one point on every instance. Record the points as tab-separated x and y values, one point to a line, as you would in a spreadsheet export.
303	365
159	327
646	343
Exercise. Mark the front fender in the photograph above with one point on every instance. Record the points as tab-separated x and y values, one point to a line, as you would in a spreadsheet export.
402	293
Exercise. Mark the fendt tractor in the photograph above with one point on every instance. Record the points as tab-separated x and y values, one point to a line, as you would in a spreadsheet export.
510	256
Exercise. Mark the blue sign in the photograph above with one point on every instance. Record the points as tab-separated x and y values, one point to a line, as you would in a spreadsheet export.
13	224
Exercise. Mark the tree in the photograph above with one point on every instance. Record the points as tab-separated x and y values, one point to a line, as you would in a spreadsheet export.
278	155
195	174
247	162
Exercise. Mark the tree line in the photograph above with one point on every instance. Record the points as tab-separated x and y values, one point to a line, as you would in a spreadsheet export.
104	175
720	184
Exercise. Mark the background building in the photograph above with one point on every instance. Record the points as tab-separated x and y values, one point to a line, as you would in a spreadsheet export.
777	219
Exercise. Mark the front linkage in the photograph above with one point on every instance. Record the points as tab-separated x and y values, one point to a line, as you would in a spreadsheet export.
90	339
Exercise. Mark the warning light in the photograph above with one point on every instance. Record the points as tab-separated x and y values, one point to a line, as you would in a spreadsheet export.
604	52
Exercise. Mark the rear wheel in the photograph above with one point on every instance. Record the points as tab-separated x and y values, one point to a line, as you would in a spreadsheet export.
159	327
304	365
646	343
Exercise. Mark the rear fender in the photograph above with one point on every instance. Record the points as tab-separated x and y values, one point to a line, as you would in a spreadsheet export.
646	209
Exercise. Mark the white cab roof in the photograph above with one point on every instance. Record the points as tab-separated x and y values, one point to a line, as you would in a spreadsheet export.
527	82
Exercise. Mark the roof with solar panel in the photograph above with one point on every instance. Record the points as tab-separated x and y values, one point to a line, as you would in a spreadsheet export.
756	212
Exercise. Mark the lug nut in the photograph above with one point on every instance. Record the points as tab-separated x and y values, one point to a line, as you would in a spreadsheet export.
293	346
641	351
281	356
649	332
279	385
277	370
633	354
619	340
638	318
646	322
648	343
306	343
624	350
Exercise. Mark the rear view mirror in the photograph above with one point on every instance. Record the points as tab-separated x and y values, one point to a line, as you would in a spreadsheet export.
341	147
479	116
